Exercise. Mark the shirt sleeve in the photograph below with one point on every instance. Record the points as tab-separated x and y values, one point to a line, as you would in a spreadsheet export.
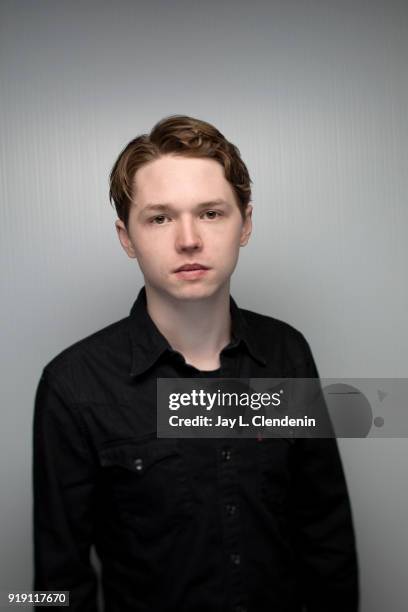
63	486
323	531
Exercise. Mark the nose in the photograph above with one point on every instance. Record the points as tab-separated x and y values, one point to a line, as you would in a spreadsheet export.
188	237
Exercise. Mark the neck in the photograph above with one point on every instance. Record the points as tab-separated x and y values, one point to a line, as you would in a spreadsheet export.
198	329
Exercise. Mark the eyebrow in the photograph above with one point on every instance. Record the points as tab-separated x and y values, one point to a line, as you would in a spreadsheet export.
151	207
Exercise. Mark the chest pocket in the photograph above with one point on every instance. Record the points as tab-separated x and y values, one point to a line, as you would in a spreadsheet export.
146	482
275	472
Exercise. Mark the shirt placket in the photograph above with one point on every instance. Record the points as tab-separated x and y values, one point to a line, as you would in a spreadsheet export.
231	363
231	524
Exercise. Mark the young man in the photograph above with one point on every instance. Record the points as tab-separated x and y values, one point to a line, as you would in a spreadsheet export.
182	525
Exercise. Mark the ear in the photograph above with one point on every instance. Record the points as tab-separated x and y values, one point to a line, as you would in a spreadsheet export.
246	226
124	238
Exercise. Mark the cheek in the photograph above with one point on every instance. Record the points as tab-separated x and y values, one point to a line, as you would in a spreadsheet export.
146	244
228	230
153	258
228	242
148	253
226	252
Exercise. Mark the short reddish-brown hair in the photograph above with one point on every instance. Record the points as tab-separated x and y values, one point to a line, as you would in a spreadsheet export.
177	135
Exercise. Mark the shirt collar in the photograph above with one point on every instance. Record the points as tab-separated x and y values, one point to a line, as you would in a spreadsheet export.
148	343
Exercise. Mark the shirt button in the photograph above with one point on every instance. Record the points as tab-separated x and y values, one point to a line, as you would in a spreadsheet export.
231	509
226	454
235	558
138	463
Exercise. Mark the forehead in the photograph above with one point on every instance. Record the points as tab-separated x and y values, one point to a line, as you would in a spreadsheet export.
178	179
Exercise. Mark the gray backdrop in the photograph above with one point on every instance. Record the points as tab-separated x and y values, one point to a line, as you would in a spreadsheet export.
315	95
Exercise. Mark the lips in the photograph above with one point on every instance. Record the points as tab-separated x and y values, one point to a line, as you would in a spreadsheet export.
190	267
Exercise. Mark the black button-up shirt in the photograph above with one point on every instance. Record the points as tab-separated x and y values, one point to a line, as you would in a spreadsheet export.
183	525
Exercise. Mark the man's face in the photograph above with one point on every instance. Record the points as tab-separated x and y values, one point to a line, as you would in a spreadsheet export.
184	212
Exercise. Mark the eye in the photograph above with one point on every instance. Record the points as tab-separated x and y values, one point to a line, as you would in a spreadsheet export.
212	214
158	220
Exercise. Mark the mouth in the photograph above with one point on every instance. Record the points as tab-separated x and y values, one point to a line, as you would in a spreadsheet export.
191	267
191	271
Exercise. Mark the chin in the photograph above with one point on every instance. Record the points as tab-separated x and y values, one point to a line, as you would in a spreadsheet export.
193	292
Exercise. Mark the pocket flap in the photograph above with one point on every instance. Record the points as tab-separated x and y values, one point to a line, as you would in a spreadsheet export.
138	457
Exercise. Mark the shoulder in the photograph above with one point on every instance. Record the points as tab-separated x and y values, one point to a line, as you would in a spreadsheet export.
274	329
90	353
280	343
